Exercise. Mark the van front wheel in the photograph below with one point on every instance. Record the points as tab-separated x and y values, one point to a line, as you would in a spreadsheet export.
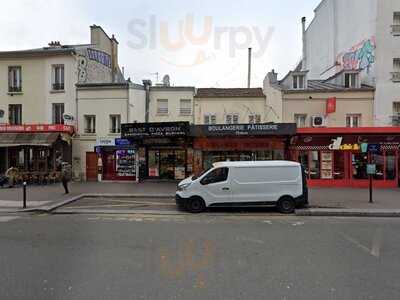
196	205
286	205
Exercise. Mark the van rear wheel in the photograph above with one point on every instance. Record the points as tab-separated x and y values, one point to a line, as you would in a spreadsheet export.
286	205
196	205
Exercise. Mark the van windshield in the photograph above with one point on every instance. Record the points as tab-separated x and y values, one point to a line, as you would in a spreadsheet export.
194	177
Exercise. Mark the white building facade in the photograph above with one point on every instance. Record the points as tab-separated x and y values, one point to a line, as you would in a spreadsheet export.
361	38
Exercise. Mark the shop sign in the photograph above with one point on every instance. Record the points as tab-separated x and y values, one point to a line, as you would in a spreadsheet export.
337	145
34	128
331	105
245	129
105	141
154	130
374	148
122	142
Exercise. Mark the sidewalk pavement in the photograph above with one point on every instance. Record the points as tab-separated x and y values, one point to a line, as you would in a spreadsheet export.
322	200
11	198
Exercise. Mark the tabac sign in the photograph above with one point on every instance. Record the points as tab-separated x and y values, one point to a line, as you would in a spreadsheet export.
154	130
245	129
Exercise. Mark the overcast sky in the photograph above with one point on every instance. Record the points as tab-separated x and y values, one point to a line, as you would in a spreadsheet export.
157	36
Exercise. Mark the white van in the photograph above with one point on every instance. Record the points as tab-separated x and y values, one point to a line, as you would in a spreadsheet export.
259	183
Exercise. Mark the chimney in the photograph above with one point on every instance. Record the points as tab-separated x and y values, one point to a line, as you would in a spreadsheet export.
54	44
249	71
272	77
304	60
147	84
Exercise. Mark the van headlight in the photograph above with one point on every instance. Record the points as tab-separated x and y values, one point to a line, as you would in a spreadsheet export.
183	187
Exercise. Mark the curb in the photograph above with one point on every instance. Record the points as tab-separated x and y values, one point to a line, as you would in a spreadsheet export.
50	208
371	213
121	212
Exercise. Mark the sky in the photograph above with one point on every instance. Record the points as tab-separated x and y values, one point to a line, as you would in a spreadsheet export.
200	43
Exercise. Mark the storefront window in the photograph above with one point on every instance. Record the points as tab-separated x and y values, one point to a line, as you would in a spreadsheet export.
378	160
125	163
359	164
153	163
339	170
315	171
326	165
279	155
390	165
264	155
303	159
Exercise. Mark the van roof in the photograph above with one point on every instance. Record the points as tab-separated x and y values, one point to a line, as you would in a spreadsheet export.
269	163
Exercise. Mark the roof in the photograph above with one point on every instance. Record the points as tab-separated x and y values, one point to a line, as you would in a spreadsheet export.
324	86
173	88
106	85
230	93
39	52
244	164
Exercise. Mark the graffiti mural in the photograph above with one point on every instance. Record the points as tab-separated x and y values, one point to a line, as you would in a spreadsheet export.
359	57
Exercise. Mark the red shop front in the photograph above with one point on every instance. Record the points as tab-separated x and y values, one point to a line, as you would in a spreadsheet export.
338	157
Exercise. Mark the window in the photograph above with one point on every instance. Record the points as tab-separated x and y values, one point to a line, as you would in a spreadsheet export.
215	176
396	70
315	165
58	113
14	80
396	23
300	120
353	120
232	119
115	123
58	77
298	82
90	124
15	114
396	114
185	107
255	119
162	106
210	119
350	80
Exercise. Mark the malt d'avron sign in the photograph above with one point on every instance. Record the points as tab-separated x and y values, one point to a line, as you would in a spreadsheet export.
154	130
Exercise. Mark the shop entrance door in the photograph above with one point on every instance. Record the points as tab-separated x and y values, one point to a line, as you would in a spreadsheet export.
109	166
91	166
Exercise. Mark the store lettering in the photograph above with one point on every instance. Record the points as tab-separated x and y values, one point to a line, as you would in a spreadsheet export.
337	145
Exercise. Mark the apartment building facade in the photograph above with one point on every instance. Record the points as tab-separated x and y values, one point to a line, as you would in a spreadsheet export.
361	40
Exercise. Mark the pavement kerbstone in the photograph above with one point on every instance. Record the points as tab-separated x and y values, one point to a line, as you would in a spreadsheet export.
325	212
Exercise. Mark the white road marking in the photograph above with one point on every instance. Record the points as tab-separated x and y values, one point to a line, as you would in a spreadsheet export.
376	243
4	219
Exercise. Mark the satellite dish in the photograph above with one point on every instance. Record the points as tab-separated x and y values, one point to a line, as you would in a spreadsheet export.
166	81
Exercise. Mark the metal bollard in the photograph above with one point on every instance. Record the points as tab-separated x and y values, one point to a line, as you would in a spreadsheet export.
24	192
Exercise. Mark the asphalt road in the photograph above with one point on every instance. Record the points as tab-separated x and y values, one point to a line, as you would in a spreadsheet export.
198	257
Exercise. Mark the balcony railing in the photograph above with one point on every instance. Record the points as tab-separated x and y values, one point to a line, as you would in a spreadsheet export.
396	120
14	89
396	76
396	29
58	86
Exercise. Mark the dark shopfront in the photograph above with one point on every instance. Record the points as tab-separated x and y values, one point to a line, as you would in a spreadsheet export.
118	159
240	142
35	149
339	156
164	149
